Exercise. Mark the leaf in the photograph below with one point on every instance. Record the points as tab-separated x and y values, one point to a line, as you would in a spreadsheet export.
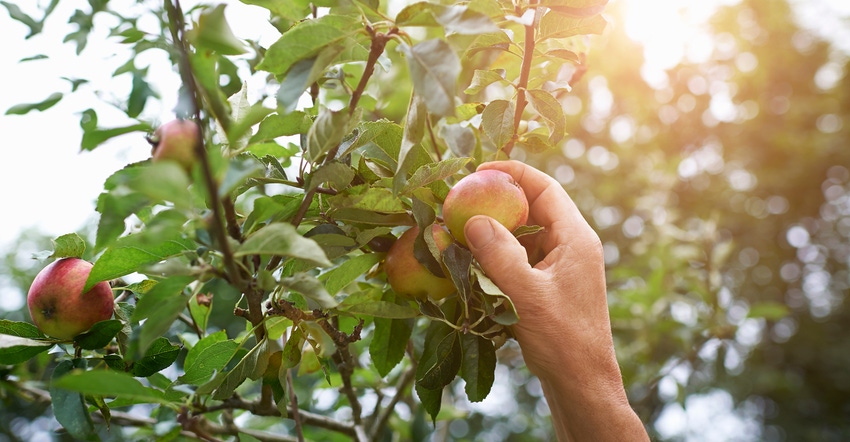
347	272
772	311
69	407
430	173
458	260
100	335
200	308
161	239
69	245
434	68
558	25
159	356
15	13
376	199
208	357
441	357
161	306
485	42
292	349
327	131
213	32
281	125
454	18
576	8
336	173
414	130
109	383
252	365
17	349
307	38
551	110
389	340
507	314
483	78
312	289
25	108
369	303
20	329
282	239
497	122
478	366
460	139
431	400
94	136
163	181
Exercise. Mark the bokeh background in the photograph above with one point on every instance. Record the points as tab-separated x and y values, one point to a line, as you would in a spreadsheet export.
709	146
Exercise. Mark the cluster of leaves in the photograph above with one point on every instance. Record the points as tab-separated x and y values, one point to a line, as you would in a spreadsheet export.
293	206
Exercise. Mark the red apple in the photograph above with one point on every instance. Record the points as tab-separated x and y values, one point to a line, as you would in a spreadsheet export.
407	276
487	192
175	141
58	305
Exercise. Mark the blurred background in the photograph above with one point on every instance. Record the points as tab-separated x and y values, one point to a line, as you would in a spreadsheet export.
709	146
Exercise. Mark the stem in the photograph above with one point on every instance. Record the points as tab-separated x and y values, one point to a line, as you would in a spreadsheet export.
379	42
382	419
525	71
293	406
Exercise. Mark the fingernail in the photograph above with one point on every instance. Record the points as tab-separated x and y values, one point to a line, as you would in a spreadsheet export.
479	232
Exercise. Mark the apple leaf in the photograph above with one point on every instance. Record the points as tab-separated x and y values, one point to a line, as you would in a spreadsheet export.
292	349
200	308
100	335
559	25
69	245
497	121
441	357
311	288
69	407
339	175
389	340
430	173
160	307
281	125
434	68
159	356
339	277
108	383
490	41
327	131
17	349
163	181
20	329
459	19
366	197
24	108
431	400
457	260
252	365
209	356
94	136
478	365
483	78
213	32
281	239
460	139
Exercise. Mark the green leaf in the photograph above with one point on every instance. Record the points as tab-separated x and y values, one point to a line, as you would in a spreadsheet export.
252	365
160	306
493	296
327	131
339	175
69	245
414	130
209	356
238	172
369	303
94	136
20	329
312	289
430	173
454	18
24	108
159	356
431	400
460	139
100	335
486	42
292	349
483	78
434	68
17	349
163	181
551	110
15	13
307	38
441	357
347	272
290	10
576	8
389	339
458	260
281	239
376	199
213	32
108	383
200	308
497	122
161	239
277	125
478	366
559	25
69	407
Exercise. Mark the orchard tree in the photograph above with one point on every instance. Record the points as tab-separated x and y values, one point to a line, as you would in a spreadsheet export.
248	256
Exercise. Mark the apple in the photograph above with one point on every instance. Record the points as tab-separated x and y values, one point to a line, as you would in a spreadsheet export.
487	192
57	304
407	276
175	141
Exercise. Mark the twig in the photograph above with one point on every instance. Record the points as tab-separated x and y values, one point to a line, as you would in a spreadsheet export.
525	70
381	420
293	406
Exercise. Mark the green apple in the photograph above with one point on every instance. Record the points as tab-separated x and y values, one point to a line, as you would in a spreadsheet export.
487	192
57	304
175	141
407	276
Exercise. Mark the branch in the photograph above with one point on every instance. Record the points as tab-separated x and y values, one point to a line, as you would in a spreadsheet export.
381	420
527	56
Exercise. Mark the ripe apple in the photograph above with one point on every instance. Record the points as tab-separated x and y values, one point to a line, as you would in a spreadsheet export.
58	305
407	276
487	192
175	141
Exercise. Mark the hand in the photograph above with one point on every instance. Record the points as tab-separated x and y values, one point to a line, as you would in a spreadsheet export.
556	280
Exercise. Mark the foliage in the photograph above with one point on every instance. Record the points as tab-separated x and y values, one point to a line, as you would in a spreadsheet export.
285	218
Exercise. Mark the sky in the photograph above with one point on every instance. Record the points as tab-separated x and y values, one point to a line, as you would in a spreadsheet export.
50	185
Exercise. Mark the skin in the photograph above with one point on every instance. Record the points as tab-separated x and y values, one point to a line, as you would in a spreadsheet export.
57	304
175	141
407	276
486	192
556	280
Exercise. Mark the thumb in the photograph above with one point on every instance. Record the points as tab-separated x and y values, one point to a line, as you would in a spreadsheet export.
502	257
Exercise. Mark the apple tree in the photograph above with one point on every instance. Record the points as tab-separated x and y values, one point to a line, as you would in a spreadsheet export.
247	257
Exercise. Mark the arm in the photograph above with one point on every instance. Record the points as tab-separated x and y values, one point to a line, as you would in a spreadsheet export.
564	329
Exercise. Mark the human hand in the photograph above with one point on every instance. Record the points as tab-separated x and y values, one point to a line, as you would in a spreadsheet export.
556	280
